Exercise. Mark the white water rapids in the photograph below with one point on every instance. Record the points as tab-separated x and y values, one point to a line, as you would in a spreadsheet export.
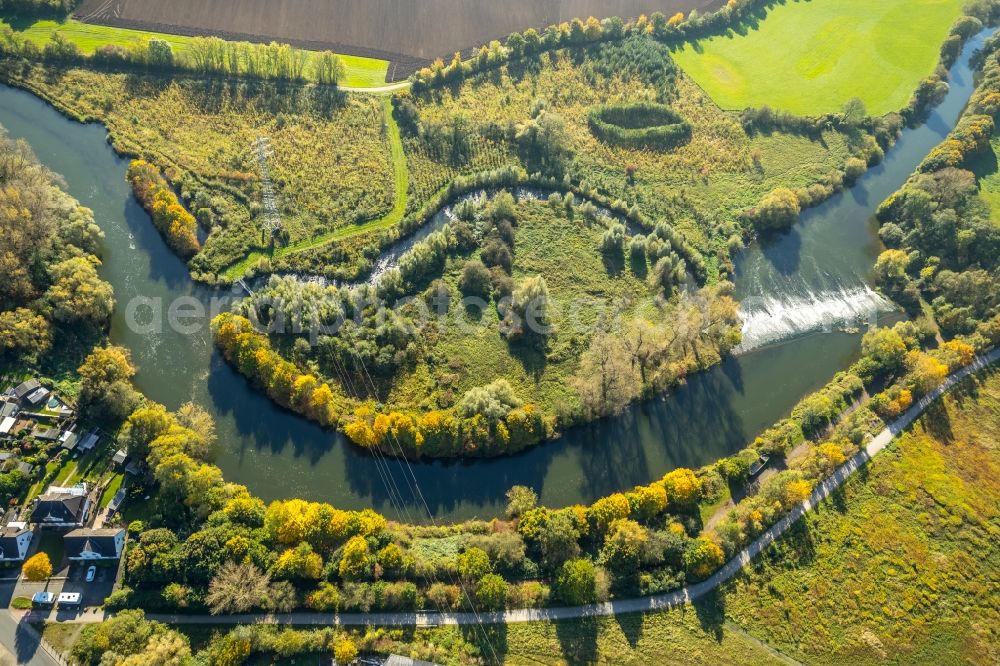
771	319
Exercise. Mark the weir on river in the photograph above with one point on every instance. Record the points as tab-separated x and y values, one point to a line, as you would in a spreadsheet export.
794	288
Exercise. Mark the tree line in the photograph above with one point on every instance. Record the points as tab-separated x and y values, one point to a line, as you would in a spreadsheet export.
204	55
580	32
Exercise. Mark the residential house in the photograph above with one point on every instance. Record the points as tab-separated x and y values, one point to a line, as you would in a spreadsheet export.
14	542
91	545
25	389
7	425
62	507
37	397
89	441
47	434
8	409
69	440
120	457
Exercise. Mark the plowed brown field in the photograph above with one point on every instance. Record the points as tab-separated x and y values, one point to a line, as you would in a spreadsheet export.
408	32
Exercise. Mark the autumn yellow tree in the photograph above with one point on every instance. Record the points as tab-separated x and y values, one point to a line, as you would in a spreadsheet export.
37	567
345	651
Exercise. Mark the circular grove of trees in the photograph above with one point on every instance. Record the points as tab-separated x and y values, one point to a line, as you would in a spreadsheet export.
639	125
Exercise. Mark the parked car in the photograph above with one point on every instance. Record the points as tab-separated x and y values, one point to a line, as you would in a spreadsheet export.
91	572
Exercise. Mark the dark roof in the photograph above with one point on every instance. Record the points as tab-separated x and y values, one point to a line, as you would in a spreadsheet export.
8	409
58	508
101	542
26	387
8	542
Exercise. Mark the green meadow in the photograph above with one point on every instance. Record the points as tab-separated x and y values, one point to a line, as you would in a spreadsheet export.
809	57
361	72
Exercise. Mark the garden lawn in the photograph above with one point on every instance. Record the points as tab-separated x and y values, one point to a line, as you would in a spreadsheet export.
360	72
811	57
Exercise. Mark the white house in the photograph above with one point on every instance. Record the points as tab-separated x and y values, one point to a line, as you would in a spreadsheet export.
14	542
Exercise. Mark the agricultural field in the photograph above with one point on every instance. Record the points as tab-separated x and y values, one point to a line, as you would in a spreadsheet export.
407	32
810	57
360	72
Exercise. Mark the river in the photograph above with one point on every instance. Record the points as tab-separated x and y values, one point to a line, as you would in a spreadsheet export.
792	285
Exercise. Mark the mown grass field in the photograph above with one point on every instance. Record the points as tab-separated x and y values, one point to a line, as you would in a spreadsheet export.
361	72
900	567
811	56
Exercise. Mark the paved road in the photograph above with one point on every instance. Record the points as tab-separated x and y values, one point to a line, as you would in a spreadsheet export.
23	642
623	606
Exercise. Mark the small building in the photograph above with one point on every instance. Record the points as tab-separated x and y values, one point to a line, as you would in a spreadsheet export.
69	600
69	440
14	542
47	434
8	409
133	469
42	600
89	441
25	389
6	425
86	545
37	397
61	507
120	457
25	468
117	500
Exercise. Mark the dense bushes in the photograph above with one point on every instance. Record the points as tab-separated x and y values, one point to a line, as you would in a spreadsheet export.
178	226
255	358
638	125
970	138
944	245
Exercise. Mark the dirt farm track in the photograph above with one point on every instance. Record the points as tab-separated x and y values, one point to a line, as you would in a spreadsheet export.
407	32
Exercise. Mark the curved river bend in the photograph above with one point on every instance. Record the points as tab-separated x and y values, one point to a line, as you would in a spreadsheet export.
792	287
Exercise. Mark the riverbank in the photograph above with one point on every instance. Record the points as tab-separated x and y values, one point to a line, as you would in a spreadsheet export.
683	596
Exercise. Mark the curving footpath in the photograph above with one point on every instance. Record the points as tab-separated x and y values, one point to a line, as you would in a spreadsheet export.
387	88
620	607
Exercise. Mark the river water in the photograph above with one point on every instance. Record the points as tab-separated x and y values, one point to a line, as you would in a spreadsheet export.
793	287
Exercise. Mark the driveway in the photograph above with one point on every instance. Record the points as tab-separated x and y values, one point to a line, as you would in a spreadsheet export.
92	594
